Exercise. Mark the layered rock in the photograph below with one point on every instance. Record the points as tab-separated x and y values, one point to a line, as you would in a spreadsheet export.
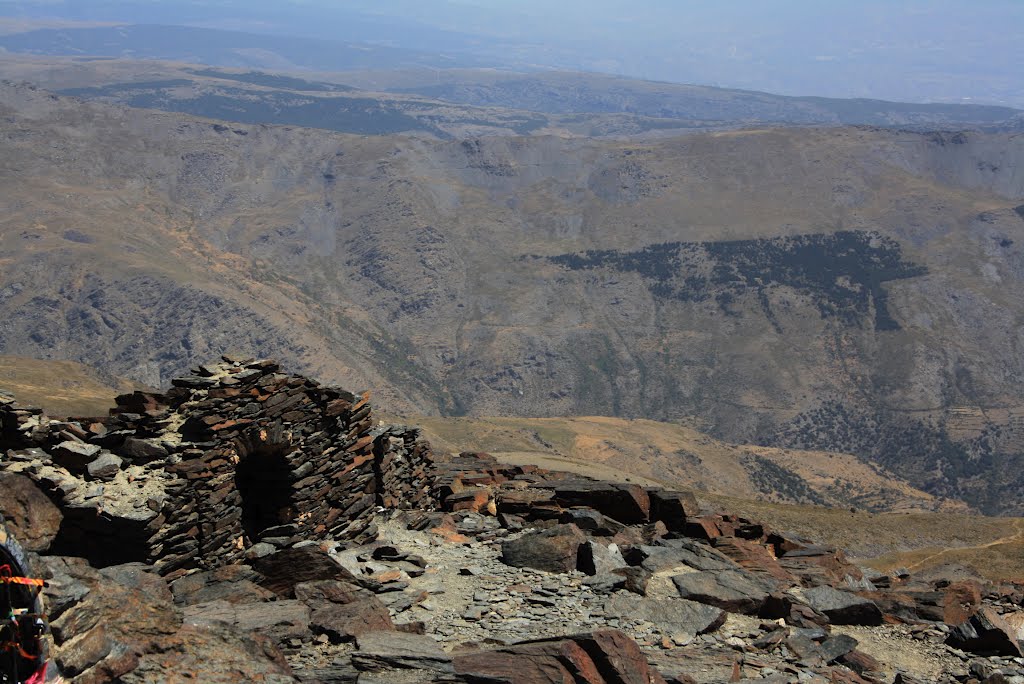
236	456
278	534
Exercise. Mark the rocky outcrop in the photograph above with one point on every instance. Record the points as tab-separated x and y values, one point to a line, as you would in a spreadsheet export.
987	632
395	564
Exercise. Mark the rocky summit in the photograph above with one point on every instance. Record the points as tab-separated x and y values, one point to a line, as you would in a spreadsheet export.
252	525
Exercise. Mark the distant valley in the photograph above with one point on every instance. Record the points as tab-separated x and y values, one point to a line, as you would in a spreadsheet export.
460	103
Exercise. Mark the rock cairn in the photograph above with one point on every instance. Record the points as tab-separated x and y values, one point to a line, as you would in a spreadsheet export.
236	459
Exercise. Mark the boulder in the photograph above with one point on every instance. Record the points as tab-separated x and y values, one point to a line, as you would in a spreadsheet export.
31	517
142	450
836	647
105	467
281	621
673	508
382	651
231	583
1016	622
591	522
595	558
74	456
554	662
986	633
842	607
860	662
530	504
342	610
281	571
670	615
553	550
753	556
618	658
961	601
626	503
103	624
737	591
706	527
909	605
474	500
674	553
603	657
214	653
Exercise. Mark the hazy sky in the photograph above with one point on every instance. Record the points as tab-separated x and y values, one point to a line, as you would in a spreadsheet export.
946	50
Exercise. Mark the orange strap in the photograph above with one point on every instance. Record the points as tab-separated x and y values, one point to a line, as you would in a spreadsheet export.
12	646
28	581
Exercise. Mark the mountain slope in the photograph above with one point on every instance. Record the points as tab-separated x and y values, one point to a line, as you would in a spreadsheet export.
546	276
675	455
62	388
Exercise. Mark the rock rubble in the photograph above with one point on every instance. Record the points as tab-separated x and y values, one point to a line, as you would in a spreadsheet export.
250	525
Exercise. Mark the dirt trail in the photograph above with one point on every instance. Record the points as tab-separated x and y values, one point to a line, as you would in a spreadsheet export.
585	468
1008	539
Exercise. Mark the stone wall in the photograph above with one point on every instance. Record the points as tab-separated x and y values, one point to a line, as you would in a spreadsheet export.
235	460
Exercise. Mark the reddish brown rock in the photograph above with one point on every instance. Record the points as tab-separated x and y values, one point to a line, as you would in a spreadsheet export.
537	665
753	556
231	583
1016	622
618	658
211	654
342	610
962	600
860	662
705	527
531	504
32	518
603	657
107	621
472	500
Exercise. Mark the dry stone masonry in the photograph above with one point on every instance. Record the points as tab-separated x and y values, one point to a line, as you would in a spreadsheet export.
236	459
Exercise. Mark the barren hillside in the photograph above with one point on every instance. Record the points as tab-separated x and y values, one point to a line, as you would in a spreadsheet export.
846	289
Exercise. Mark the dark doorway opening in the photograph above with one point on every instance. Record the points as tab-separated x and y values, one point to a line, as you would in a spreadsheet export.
263	479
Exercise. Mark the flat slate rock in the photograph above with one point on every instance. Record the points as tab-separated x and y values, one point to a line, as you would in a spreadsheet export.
674	553
377	651
602	657
737	591
671	615
279	620
105	467
343	611
842	607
